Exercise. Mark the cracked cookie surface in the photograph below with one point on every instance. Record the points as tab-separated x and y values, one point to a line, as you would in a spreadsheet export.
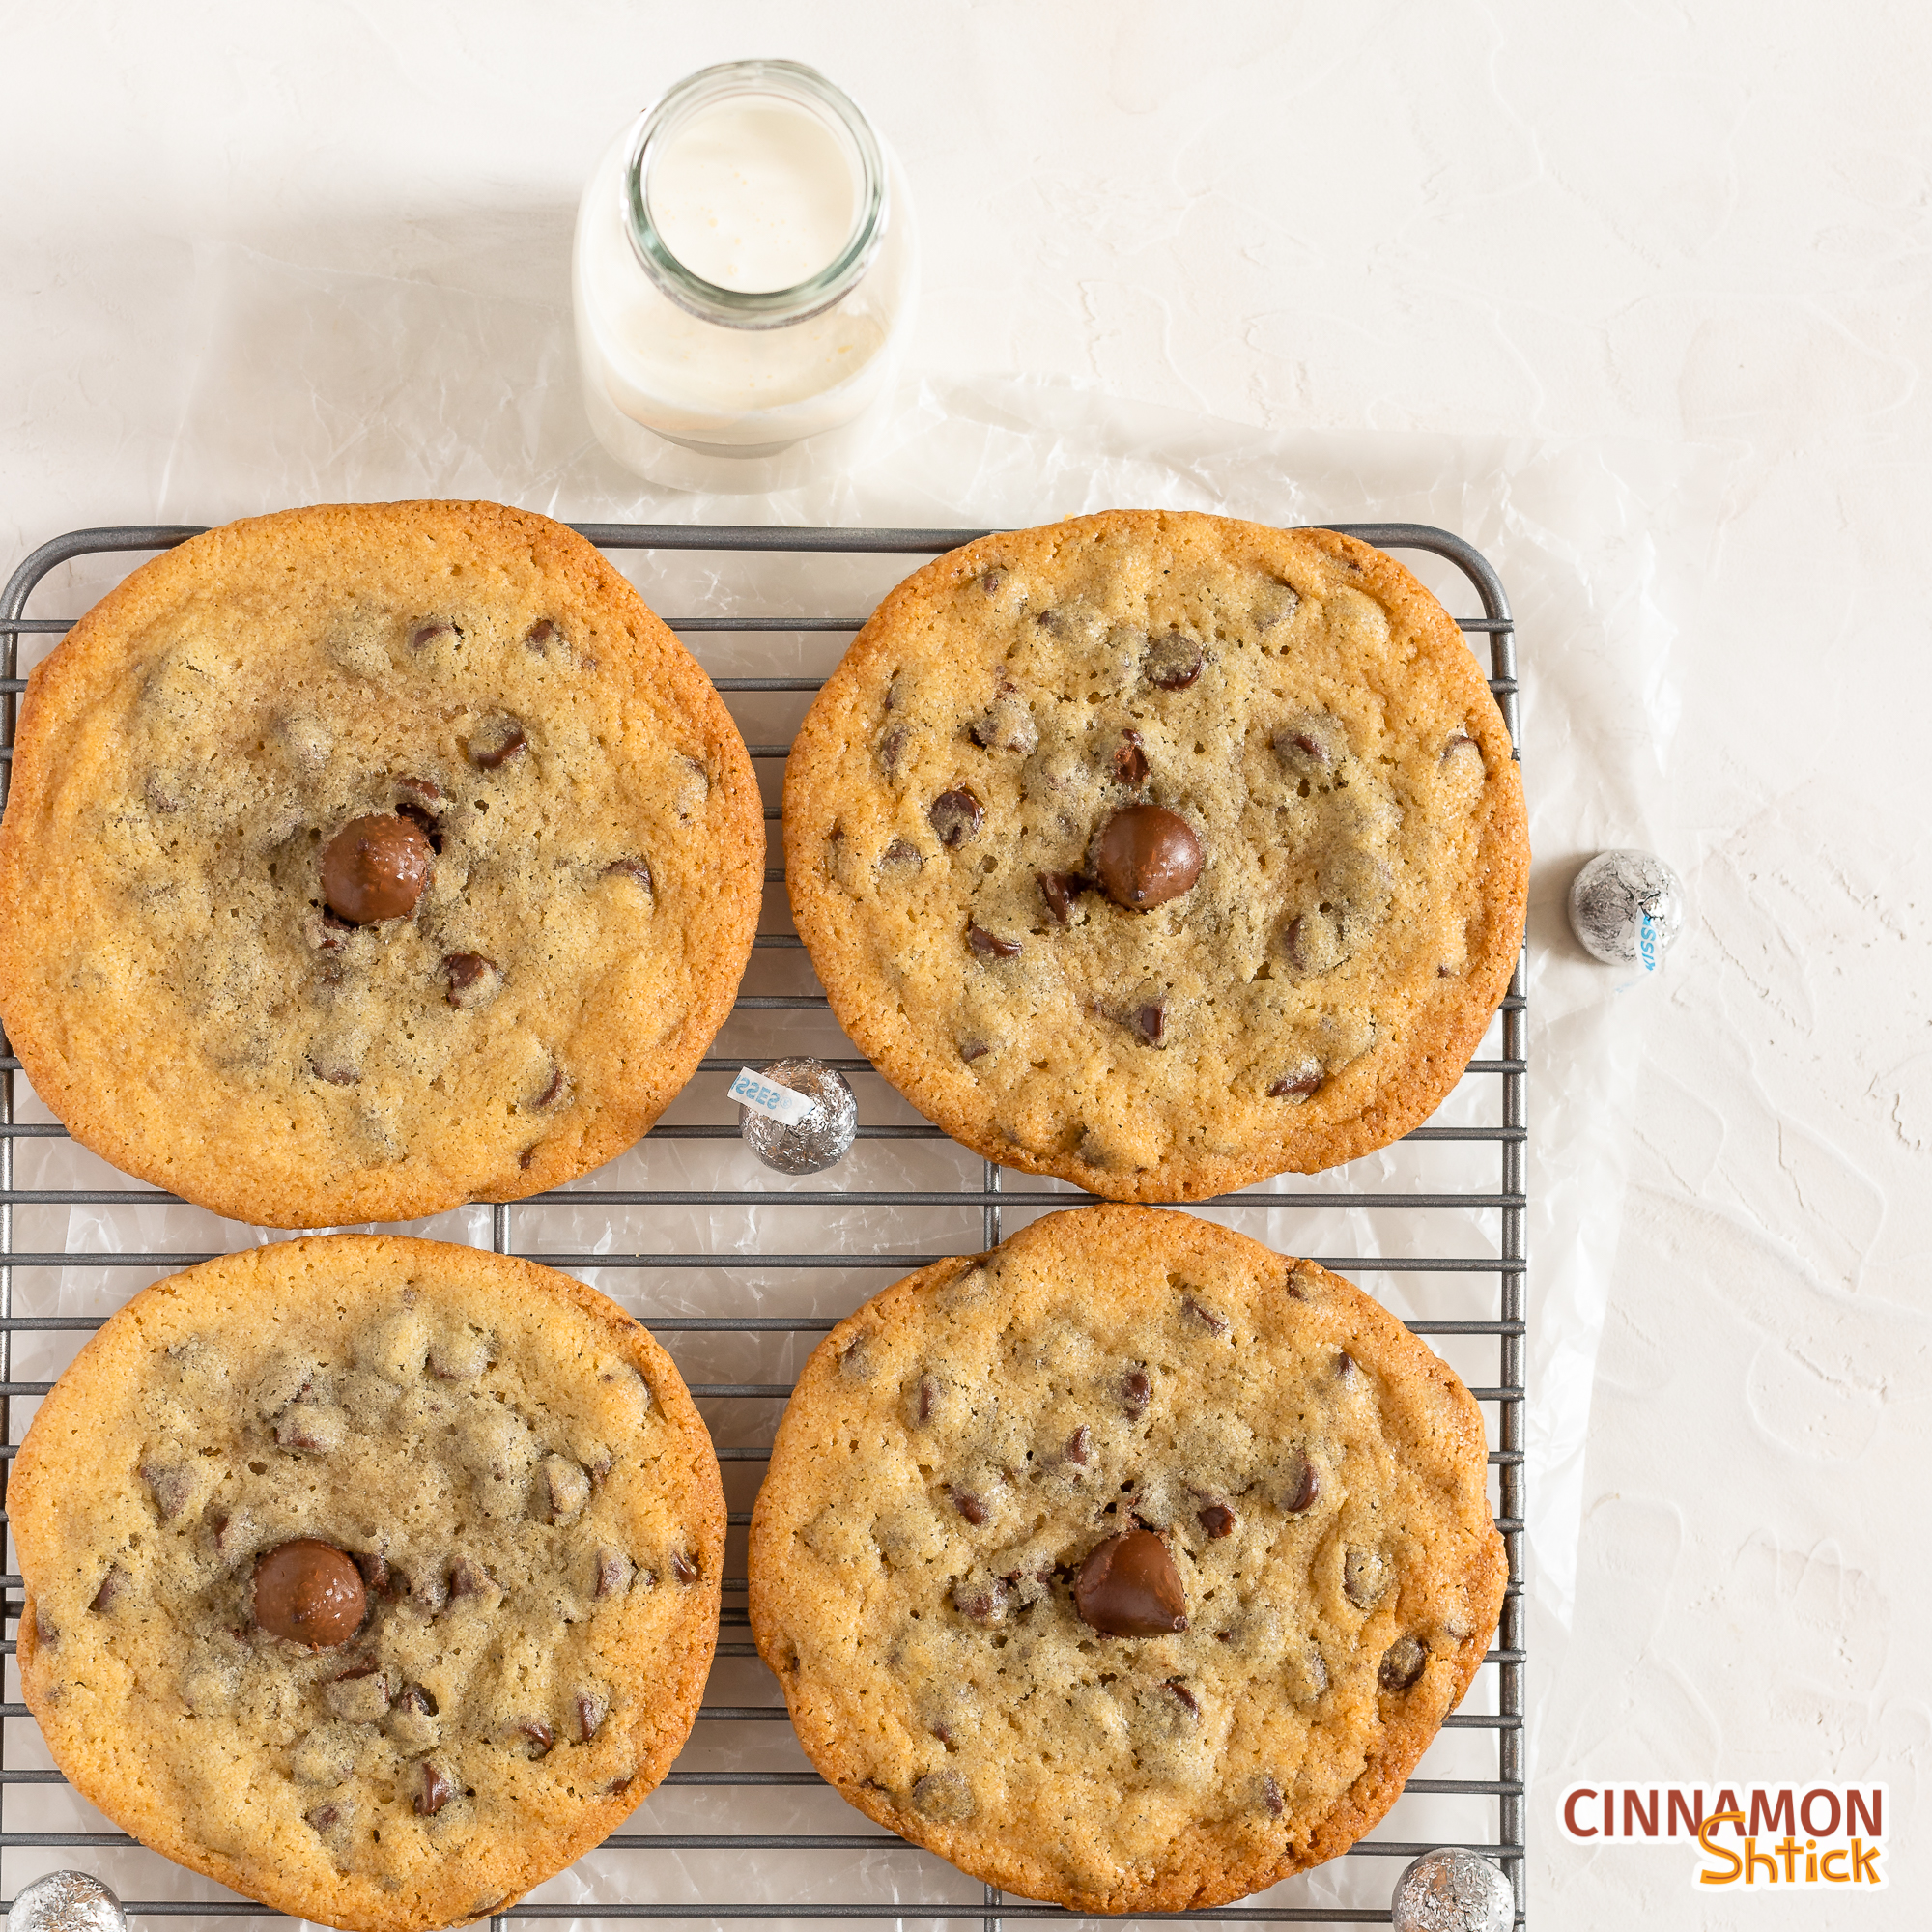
362	861
1160	851
1129	1565
488	1484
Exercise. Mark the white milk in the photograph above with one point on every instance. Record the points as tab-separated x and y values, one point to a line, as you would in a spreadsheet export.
754	193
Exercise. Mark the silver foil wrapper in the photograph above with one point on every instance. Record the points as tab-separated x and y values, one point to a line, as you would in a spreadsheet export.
1451	1890
819	1140
66	1901
1627	909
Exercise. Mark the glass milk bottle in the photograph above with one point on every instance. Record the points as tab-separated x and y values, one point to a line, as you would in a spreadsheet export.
744	278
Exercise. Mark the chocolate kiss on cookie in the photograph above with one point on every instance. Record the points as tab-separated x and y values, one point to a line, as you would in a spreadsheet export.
1129	1587
1146	856
310	1593
374	869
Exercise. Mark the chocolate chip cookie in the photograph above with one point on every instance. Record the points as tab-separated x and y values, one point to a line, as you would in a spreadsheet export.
1129	1565
362	861
1160	852
376	1579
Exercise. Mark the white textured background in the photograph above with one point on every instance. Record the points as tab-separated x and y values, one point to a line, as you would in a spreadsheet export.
1698	238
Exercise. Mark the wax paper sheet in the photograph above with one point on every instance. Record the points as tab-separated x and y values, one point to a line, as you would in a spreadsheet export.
315	386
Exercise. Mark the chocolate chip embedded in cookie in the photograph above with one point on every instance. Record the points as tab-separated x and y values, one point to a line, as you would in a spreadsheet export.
1230	820
955	815
1174	663
470	979
500	740
1163	1564
394	1582
348	828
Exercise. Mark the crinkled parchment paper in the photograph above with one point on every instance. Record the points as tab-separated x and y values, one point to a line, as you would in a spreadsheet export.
315	386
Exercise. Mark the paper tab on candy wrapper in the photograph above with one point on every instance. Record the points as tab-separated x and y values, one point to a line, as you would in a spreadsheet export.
766	1097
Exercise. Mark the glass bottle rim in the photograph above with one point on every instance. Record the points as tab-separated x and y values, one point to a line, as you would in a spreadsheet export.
754	308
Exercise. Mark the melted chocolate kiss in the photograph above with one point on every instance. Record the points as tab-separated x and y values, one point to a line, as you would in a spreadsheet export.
310	1593
374	869
1129	1587
1146	856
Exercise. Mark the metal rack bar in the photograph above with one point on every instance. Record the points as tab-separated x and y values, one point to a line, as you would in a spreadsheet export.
987	1194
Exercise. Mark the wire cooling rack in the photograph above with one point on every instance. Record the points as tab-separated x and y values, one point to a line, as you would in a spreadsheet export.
743	1831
